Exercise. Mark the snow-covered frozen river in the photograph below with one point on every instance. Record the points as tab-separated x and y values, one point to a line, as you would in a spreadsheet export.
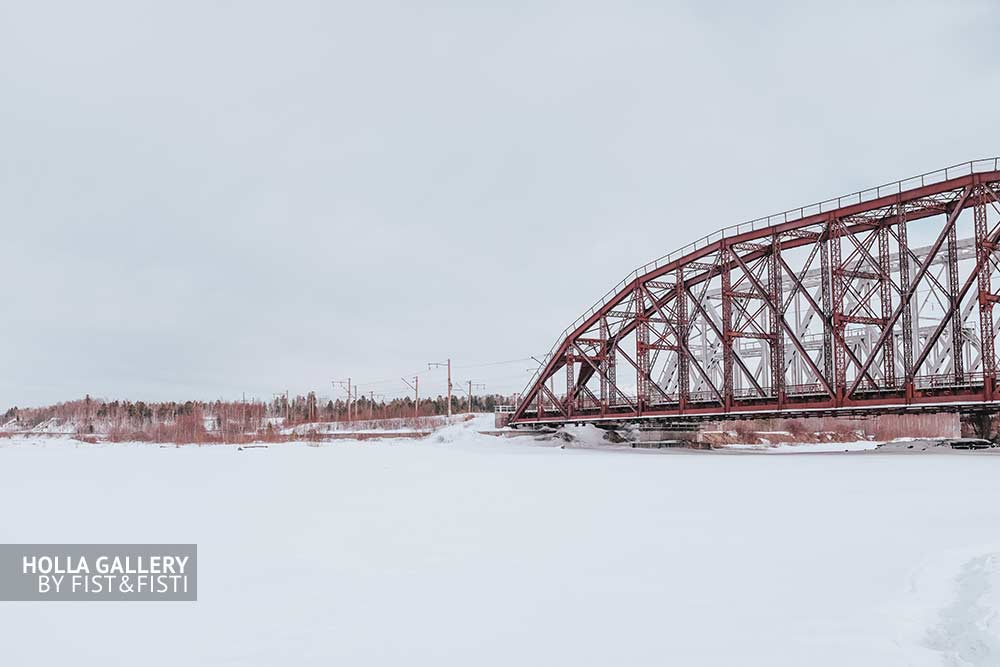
481	551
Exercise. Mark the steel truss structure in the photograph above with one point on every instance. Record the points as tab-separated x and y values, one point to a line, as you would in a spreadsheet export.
881	300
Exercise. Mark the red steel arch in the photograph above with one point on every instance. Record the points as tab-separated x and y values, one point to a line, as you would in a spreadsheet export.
880	300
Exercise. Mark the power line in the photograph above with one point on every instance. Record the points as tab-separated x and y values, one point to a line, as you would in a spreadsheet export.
388	384
395	381
494	363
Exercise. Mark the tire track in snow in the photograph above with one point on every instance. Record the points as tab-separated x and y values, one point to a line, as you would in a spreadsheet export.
968	630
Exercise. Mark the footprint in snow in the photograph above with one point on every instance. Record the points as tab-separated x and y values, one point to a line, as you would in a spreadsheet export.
968	630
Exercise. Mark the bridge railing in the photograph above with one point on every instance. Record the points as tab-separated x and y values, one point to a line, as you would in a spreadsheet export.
984	165
947	380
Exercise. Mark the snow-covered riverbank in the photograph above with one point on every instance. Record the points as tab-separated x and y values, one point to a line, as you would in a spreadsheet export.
462	549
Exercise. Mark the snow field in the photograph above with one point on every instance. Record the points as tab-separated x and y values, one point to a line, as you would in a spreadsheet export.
467	549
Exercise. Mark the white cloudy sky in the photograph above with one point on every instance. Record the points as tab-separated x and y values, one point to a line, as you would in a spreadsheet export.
201	199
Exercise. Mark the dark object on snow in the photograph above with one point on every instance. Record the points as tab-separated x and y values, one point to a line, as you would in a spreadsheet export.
615	437
968	443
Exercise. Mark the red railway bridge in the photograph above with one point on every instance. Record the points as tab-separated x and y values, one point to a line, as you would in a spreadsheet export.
879	301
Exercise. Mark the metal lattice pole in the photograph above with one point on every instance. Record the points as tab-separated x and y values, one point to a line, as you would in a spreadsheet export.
836	316
956	320
885	300
777	331
827	305
683	367
904	285
641	350
984	254
603	362
727	327
570	384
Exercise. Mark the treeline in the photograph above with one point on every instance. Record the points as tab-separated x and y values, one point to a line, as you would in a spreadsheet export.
223	421
306	409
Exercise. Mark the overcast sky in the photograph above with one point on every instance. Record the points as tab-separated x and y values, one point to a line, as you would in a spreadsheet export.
201	199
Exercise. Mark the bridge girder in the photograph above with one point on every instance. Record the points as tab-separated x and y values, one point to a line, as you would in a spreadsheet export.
826	307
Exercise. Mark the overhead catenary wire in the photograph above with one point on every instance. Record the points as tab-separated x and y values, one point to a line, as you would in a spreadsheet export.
395	381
